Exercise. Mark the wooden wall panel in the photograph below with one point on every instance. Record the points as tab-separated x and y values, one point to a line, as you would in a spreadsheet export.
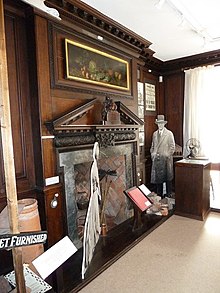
43	72
150	117
21	118
16	43
55	217
174	99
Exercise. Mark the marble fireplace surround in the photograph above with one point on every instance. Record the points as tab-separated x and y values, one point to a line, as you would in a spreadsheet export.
118	151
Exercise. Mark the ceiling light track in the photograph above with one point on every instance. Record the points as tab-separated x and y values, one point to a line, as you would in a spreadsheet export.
187	17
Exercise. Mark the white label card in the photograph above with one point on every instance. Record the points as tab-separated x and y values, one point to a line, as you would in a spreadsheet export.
55	256
144	189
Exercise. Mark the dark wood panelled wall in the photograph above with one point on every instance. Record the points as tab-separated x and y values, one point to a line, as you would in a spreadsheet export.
40	91
20	104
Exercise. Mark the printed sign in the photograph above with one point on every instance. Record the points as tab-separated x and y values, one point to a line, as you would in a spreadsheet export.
8	241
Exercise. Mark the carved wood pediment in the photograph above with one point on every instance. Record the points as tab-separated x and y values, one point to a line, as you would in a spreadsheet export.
68	122
127	116
68	133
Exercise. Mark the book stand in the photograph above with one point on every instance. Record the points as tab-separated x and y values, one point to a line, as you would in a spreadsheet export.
140	203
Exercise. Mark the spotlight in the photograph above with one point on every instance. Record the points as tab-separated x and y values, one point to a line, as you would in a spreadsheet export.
100	38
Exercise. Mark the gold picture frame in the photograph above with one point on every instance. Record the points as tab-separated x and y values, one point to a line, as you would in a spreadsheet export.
90	65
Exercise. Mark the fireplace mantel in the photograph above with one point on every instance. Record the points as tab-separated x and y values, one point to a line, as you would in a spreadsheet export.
68	133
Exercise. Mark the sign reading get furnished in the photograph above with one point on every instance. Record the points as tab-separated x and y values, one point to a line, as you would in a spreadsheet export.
8	241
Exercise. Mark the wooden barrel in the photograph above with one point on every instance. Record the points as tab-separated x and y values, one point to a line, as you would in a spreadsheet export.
29	221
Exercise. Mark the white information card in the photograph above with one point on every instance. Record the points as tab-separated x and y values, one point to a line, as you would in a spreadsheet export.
51	259
144	189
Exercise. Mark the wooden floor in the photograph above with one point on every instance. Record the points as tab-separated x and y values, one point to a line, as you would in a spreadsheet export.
117	242
109	248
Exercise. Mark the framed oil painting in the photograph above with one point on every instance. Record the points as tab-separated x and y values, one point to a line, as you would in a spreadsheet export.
87	64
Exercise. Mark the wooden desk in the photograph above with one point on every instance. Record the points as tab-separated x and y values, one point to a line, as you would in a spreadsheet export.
192	186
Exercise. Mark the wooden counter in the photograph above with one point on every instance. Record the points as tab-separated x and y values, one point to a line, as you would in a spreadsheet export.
192	187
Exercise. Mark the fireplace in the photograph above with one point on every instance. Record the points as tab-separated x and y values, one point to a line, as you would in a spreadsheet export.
117	165
76	165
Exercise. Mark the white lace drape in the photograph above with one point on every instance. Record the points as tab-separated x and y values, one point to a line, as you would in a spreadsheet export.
201	110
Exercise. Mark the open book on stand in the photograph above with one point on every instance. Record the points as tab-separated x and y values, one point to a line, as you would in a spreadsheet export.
138	198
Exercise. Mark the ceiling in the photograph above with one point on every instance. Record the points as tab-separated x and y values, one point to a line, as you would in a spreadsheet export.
176	28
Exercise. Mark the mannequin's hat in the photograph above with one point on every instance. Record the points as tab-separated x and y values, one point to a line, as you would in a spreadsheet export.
160	119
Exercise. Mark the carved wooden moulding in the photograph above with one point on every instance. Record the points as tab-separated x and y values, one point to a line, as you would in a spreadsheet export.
82	13
67	133
105	139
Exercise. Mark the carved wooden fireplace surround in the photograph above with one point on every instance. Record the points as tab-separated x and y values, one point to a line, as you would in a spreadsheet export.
73	140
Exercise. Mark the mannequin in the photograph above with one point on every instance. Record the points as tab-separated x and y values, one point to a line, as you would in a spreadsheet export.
162	149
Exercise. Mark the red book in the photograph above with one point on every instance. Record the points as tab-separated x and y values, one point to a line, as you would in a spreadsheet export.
140	200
